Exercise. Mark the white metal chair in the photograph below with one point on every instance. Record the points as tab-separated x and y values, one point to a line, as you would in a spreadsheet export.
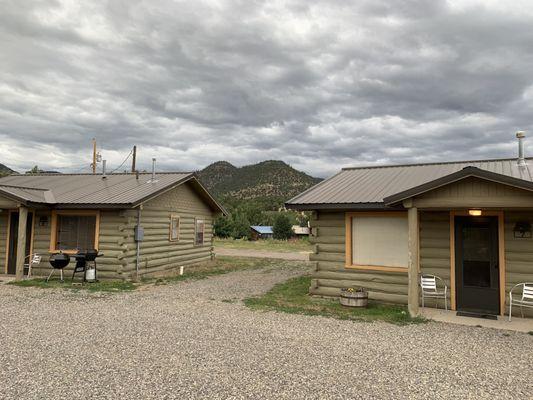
33	259
428	283
525	301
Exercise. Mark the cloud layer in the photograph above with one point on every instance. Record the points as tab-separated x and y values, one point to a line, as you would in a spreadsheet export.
320	84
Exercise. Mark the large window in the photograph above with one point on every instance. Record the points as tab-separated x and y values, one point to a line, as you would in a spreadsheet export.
379	241
174	234
73	231
199	230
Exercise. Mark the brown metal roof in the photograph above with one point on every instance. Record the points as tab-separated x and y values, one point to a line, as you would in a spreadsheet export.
88	190
367	187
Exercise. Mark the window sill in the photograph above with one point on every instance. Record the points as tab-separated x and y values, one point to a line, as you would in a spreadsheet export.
377	268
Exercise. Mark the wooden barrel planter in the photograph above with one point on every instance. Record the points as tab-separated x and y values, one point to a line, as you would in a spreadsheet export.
354	297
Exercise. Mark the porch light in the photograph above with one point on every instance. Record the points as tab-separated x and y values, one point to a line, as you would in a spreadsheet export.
474	213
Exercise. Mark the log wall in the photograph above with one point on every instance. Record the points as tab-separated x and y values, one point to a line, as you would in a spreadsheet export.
3	240
112	244
159	255
435	248
330	274
518	256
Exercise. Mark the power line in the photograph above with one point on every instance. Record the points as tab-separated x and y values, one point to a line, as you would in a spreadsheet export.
123	162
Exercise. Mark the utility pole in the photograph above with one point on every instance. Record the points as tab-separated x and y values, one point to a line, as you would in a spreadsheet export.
94	156
134	159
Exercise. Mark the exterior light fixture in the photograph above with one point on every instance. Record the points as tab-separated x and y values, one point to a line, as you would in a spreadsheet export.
474	213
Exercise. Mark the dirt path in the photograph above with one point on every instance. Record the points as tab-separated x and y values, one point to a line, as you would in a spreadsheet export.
296	256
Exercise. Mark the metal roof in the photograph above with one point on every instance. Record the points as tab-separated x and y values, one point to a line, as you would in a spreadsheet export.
89	190
262	229
367	187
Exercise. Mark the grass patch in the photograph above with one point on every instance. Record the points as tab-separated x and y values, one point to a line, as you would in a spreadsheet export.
292	297
530	333
224	265
282	246
102	286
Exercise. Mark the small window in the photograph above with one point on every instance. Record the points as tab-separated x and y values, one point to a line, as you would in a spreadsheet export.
174	228
199	232
76	232
380	241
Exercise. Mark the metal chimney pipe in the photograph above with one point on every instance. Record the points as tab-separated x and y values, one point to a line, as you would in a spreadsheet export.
104	162
153	169
520	135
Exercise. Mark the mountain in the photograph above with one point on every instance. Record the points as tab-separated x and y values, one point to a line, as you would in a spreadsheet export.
273	180
5	170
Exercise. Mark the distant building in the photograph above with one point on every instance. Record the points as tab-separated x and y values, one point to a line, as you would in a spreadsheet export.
261	232
301	230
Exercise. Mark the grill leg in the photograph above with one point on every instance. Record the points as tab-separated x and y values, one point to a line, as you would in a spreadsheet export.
47	279
61	273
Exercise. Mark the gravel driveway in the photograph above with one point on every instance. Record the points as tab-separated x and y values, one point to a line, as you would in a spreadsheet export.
195	340
279	255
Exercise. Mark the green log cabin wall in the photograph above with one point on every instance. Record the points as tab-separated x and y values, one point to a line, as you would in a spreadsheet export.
330	274
159	255
113	243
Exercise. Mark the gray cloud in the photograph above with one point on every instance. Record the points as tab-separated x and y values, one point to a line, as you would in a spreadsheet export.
320	85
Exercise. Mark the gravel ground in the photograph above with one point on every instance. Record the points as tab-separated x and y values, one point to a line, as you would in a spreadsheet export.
279	255
195	340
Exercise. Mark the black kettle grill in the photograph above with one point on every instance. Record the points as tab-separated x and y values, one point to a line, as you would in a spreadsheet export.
58	262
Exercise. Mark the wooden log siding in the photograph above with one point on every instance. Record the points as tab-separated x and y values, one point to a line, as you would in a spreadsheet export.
159	255
435	248
3	239
518	256
330	275
113	243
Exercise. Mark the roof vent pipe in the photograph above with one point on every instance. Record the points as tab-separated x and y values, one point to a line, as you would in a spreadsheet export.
104	162
520	135
153	169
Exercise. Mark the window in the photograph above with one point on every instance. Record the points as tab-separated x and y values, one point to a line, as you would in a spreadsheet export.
199	229
380	241
74	231
174	228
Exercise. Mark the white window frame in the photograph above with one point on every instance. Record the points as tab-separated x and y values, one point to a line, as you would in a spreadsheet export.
196	222
171	238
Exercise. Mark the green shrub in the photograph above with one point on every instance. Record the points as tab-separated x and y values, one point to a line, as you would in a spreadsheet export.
282	227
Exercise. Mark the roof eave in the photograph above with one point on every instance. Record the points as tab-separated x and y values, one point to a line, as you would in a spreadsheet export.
337	206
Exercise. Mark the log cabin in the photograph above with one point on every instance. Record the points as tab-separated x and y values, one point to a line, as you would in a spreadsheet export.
382	227
142	224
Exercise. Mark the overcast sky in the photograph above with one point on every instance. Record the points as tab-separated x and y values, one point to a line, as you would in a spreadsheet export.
320	85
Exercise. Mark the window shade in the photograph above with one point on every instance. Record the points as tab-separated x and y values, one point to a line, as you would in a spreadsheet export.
75	232
380	241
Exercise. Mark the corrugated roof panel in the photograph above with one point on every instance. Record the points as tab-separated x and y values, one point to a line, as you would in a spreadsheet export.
373	184
262	229
90	189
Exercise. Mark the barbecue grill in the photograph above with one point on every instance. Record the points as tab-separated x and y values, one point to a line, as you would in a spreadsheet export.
58	262
82	258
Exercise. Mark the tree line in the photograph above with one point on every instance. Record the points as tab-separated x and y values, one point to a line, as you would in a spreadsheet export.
264	212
